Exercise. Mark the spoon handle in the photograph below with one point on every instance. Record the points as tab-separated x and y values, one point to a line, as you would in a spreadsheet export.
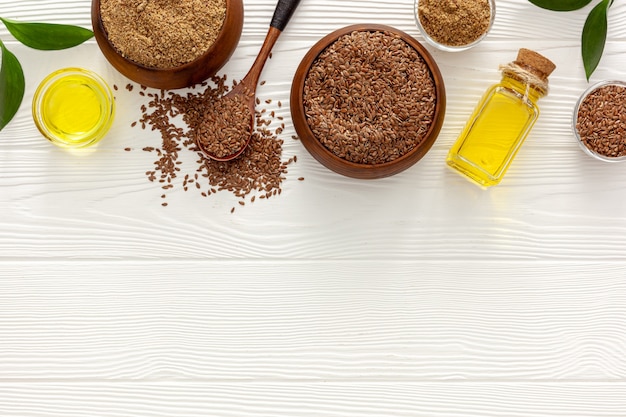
282	14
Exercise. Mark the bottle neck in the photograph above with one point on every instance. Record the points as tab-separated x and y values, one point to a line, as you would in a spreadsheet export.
525	89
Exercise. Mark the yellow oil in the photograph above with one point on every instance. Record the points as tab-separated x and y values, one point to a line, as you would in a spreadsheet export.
73	108
494	133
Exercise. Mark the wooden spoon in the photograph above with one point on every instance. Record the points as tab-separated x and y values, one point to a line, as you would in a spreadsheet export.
245	91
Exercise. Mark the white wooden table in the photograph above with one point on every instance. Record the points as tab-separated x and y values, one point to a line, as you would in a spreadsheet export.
416	295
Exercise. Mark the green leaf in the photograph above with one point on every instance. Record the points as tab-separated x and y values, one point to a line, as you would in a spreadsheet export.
12	86
561	5
594	37
47	36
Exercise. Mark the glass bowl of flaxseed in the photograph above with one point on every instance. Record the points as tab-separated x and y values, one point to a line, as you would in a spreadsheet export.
454	25
368	101
599	121
167	44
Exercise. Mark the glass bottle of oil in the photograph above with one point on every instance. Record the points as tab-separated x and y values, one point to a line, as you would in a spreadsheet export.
502	120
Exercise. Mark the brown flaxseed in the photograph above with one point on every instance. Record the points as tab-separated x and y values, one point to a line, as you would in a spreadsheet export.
369	97
601	121
259	169
225	127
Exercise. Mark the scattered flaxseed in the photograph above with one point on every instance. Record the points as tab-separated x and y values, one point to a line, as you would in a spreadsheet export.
259	170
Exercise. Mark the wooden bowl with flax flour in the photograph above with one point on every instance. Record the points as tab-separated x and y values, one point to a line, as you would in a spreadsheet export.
368	101
167	44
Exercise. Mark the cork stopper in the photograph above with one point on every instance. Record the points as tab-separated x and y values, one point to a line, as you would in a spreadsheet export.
536	63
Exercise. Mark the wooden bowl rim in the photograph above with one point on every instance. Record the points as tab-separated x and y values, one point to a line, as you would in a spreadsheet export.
297	92
188	65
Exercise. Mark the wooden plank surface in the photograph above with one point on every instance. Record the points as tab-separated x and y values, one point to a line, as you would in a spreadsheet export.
317	321
416	295
158	399
555	203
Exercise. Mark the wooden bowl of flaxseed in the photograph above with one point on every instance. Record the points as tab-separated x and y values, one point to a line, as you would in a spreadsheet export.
368	101
167	44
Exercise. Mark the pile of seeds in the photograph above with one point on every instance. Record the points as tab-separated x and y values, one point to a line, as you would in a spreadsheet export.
369	97
258	172
454	22
225	127
162	33
601	121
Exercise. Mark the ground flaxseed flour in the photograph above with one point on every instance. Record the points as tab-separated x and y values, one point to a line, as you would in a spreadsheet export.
454	22
162	33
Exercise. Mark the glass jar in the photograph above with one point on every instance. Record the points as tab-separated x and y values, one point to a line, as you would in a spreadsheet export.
73	108
502	120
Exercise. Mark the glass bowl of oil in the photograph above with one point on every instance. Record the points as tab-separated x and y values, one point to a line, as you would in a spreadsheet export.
73	108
